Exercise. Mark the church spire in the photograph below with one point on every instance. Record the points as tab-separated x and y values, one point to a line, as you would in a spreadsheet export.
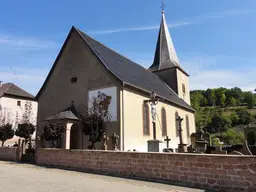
165	54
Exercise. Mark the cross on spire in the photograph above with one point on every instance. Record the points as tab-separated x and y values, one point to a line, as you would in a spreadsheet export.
163	6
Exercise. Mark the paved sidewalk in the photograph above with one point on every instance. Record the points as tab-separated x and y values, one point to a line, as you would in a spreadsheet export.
29	178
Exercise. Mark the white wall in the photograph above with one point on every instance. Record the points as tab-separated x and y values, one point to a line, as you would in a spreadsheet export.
9	106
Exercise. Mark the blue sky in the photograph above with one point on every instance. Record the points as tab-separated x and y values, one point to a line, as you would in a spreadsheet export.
214	40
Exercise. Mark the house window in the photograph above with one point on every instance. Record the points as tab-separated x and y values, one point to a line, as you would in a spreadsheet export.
73	80
187	126
146	130
18	103
164	123
177	124
183	88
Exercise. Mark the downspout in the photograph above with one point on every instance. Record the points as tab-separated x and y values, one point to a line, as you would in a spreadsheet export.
123	118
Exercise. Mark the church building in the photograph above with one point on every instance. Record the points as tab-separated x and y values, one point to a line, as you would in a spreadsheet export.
85	70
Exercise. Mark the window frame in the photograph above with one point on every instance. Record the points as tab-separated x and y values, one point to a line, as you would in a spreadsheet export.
145	119
164	122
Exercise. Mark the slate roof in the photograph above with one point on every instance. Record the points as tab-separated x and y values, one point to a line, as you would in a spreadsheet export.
132	73
165	54
69	113
13	90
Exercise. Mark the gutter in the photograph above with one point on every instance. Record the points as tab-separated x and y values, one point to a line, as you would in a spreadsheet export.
123	117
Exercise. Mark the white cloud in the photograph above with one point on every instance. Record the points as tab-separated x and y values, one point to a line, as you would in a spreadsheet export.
145	28
222	78
23	42
189	21
213	72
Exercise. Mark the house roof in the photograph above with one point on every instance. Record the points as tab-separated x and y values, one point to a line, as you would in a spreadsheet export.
10	89
132	73
69	113
165	54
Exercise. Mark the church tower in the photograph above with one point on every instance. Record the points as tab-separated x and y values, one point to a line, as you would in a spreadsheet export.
166	64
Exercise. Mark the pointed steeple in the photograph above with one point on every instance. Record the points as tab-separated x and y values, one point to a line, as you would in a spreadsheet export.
165	54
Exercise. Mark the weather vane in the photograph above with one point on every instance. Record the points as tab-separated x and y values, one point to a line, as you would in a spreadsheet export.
163	6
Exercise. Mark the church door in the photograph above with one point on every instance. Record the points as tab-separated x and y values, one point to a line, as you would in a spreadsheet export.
74	137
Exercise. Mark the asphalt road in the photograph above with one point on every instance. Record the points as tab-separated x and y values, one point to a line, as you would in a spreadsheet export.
29	178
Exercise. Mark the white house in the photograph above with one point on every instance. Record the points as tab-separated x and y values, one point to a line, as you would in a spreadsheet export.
14	102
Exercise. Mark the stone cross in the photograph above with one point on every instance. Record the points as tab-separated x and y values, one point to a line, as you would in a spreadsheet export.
115	138
179	119
104	143
167	139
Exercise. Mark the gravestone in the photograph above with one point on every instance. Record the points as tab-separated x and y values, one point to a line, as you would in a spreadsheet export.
167	149
199	141
155	145
114	139
104	142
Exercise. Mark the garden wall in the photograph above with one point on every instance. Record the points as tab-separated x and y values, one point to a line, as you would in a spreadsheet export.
8	153
222	172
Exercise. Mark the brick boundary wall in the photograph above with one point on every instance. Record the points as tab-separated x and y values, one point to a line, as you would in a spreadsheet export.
218	172
8	153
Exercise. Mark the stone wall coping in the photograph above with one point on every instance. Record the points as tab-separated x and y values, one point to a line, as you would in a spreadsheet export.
152	153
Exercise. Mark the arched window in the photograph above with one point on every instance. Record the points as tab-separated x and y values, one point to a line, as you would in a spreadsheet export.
164	122
177	124
146	130
187	126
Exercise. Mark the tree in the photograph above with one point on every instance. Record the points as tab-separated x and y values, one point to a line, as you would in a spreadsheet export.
6	132
218	123
233	137
220	96
53	130
245	117
249	98
211	97
237	94
94	123
26	129
234	119
232	102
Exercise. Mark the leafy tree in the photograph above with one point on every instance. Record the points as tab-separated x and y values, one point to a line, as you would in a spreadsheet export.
6	132
234	118
245	117
211	97
53	130
237	94
222	100
25	128
218	123
233	137
249	98
94	123
195	103
232	102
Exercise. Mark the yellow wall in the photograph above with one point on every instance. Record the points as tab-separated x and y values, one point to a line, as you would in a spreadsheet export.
133	123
